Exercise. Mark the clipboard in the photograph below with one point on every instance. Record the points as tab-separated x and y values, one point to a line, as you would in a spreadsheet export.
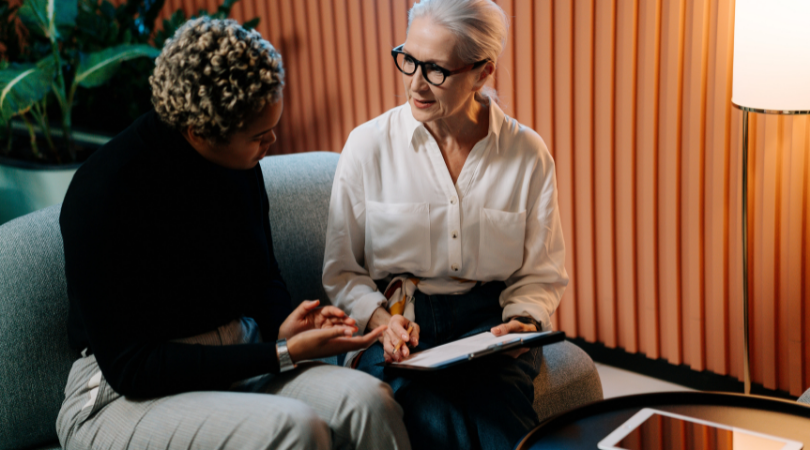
440	358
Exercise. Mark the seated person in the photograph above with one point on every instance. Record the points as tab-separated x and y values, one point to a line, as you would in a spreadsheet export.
449	199
185	326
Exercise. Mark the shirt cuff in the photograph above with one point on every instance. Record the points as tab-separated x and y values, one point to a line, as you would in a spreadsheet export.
364	307
536	312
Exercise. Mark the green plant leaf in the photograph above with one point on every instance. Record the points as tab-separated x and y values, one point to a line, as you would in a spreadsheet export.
21	85
46	17
97	68
251	24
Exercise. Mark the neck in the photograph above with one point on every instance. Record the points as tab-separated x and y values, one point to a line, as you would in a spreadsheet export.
468	123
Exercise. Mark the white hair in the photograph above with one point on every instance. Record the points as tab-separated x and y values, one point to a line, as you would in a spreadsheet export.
480	27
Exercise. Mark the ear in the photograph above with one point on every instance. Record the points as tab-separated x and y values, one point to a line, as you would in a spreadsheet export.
192	137
488	70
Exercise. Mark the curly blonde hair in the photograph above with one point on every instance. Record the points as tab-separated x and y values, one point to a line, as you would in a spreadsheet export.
212	75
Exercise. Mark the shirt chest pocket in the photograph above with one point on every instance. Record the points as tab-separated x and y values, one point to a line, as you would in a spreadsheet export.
501	244
399	234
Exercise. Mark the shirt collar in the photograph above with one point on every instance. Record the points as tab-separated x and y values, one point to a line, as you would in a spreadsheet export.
496	119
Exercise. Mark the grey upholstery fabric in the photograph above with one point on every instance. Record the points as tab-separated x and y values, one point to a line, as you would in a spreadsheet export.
805	398
34	355
568	378
298	188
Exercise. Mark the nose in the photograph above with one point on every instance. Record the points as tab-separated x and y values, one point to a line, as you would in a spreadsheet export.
270	139
418	82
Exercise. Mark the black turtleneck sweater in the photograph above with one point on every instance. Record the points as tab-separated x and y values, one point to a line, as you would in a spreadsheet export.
162	244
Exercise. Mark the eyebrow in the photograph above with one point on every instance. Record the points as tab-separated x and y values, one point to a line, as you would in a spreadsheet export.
438	63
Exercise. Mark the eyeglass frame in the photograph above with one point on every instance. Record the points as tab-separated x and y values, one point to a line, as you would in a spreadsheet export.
420	64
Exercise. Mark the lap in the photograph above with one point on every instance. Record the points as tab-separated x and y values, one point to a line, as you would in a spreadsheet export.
306	401
218	419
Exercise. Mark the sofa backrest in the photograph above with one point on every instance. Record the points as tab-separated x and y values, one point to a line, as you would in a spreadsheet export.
34	355
298	187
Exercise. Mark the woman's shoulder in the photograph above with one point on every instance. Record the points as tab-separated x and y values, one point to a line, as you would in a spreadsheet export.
369	136
520	138
382	126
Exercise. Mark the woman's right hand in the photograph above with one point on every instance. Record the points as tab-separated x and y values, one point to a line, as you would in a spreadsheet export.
397	333
324	342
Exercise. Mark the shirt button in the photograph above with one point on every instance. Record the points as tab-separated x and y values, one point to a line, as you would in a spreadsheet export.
455	234
453	200
454	267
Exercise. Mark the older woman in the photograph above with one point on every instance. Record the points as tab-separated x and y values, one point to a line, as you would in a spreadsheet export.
447	195
177	304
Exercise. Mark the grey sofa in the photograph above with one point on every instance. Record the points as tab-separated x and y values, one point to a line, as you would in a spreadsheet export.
34	354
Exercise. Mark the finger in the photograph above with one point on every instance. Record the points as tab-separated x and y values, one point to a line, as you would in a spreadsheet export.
396	344
332	311
348	321
388	346
331	333
304	308
501	329
372	335
415	334
399	325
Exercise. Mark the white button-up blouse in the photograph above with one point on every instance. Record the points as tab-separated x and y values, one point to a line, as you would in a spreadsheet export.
394	209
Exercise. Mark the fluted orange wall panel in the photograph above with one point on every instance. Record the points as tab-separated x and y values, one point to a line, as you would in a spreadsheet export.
633	99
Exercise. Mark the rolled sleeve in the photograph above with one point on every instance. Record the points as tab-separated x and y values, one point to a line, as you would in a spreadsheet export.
345	279
536	288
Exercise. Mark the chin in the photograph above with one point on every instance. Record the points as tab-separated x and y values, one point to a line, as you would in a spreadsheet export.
420	114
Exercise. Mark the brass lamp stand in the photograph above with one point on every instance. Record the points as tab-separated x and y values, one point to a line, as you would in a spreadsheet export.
745	111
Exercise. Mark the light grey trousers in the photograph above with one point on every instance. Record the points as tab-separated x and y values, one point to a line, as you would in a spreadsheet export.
315	406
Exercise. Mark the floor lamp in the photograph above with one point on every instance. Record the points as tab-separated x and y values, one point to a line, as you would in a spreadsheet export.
771	76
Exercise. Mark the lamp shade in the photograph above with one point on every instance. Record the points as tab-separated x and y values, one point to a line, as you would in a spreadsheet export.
772	55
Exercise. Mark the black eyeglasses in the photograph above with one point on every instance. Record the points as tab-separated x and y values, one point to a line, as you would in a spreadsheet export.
433	73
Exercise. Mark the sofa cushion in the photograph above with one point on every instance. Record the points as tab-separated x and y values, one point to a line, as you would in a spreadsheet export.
34	354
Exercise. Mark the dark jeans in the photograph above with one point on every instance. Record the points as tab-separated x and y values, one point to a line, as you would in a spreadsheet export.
486	404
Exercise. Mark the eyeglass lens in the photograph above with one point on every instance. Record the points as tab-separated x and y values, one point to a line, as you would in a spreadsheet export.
408	66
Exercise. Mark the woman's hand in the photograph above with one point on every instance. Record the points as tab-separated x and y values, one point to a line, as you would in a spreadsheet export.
307	316
401	333
513	326
320	343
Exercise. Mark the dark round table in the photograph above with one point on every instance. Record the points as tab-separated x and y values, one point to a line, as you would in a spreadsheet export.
584	427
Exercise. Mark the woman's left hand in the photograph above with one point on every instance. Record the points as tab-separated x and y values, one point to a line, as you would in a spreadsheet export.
308	316
513	326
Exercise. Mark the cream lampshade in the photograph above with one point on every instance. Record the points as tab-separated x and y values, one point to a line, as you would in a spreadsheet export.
771	76
772	55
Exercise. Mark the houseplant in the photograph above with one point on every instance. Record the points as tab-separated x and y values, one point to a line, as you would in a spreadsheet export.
69	53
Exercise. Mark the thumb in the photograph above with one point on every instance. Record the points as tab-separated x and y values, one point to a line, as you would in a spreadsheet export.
500	329
305	307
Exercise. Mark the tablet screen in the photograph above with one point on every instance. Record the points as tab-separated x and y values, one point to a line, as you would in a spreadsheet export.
660	432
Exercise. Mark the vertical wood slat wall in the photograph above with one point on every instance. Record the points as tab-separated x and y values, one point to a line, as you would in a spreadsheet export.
633	99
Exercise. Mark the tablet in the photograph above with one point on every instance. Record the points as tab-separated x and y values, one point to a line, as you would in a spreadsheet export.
472	348
651	429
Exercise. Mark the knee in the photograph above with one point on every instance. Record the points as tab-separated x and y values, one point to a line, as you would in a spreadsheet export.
377	396
298	426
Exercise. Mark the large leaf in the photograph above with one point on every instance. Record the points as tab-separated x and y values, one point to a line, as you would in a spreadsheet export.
97	68
21	85
48	17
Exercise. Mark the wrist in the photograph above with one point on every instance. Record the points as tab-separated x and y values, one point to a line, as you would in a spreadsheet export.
527	321
380	316
285	357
